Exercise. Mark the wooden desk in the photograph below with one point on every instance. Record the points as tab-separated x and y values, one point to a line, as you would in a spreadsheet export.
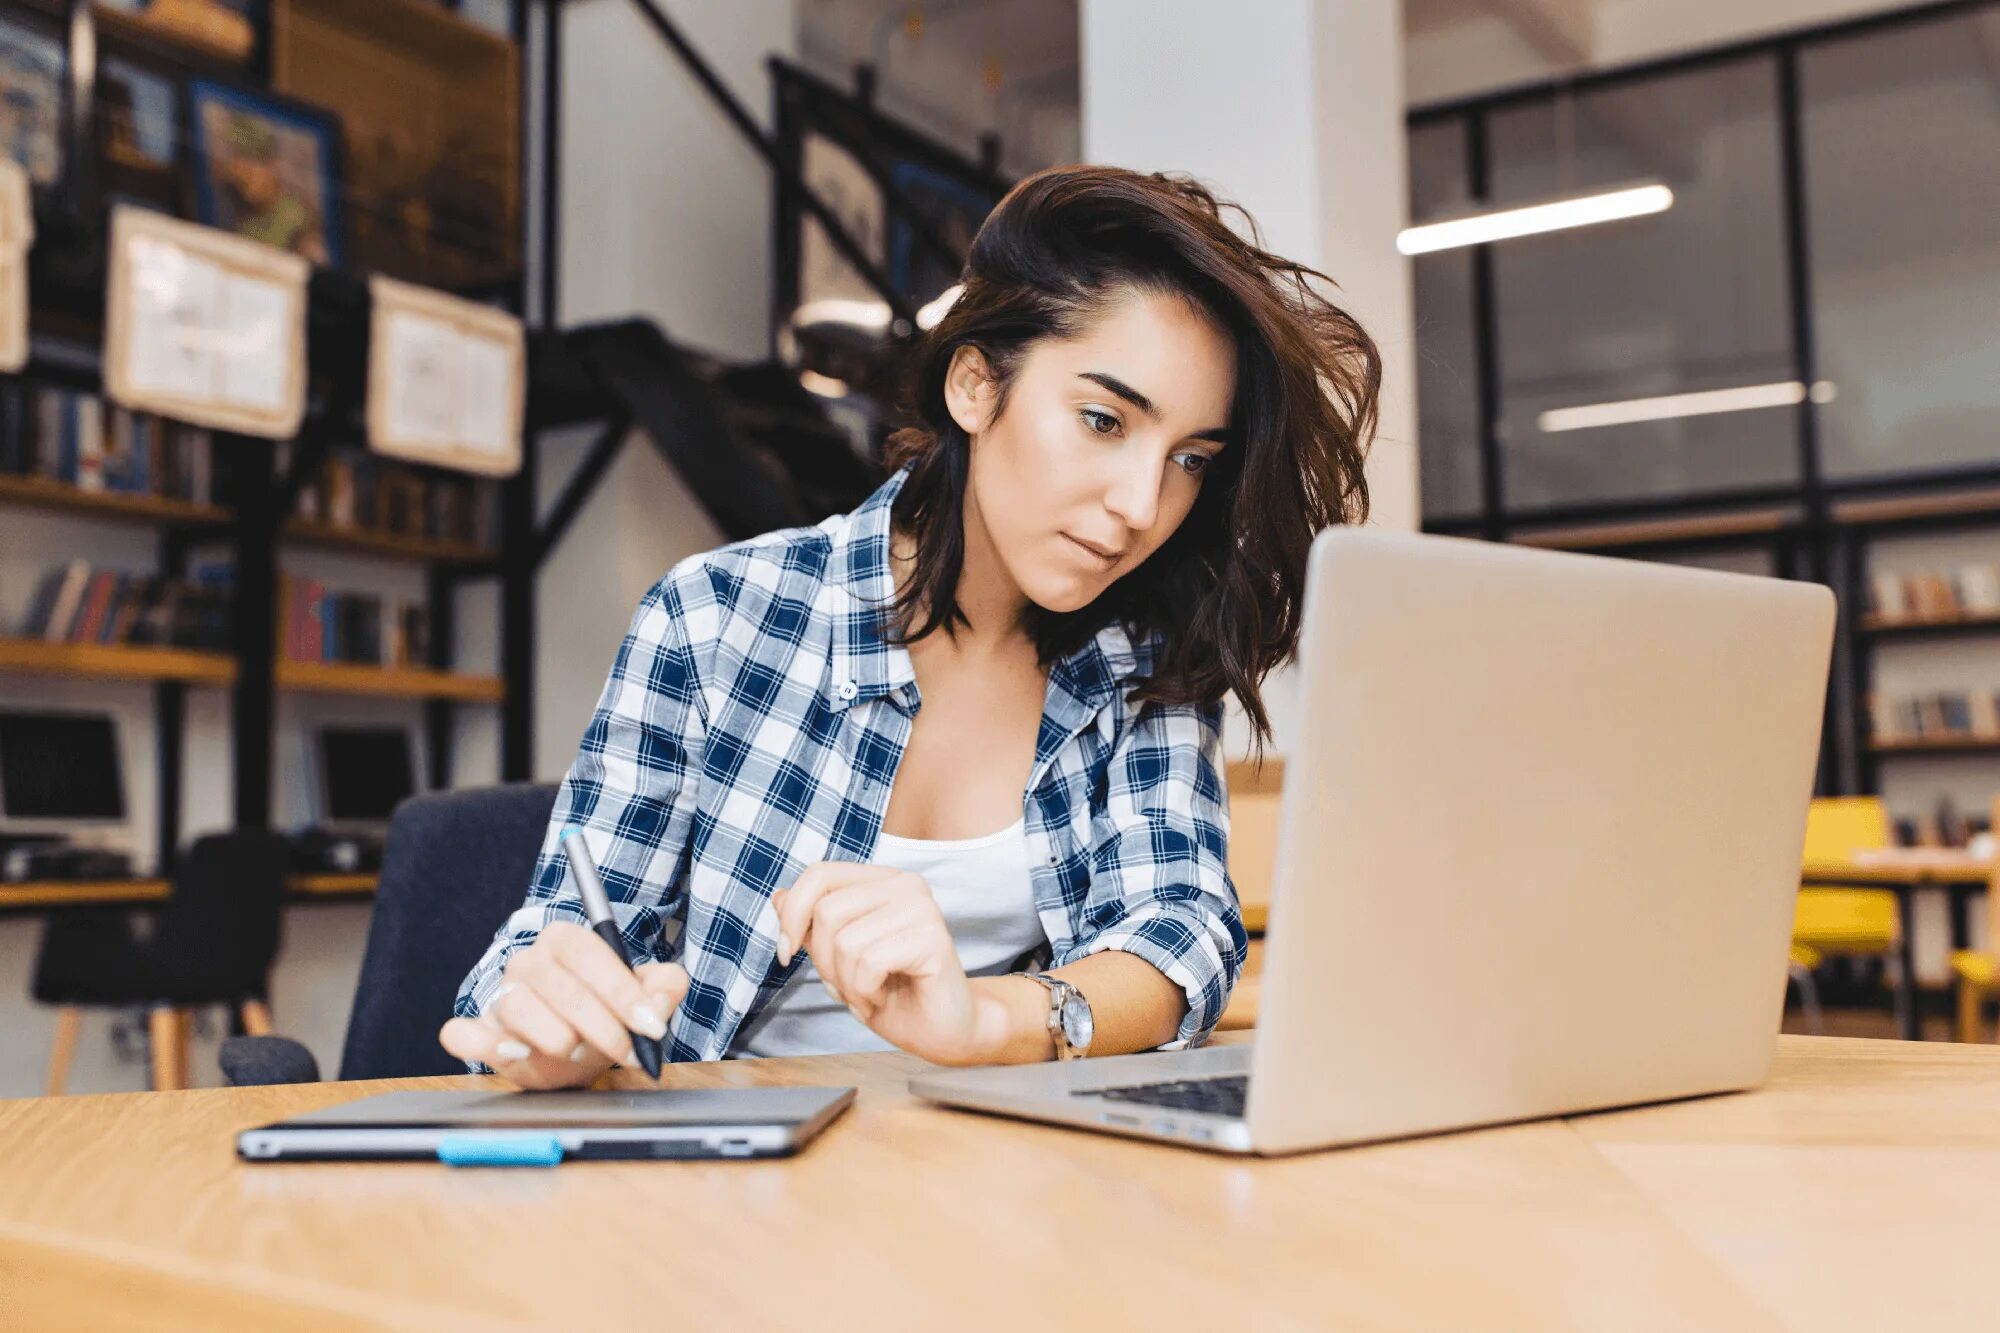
1842	1197
41	895
1903	871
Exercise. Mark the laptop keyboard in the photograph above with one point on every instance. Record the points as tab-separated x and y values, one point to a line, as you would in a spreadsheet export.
1211	1096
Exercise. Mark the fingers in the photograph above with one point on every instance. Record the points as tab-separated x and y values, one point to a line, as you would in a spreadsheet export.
665	984
592	975
795	906
879	946
478	1041
581	1009
526	1017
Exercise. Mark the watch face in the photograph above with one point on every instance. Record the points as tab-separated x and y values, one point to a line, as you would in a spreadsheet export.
1078	1026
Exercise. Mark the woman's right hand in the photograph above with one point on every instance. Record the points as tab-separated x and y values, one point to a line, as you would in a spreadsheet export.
565	1011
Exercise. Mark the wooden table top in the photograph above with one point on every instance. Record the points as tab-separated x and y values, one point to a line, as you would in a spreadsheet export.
1860	1190
1902	865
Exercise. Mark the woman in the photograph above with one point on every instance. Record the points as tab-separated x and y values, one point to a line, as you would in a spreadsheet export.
1132	423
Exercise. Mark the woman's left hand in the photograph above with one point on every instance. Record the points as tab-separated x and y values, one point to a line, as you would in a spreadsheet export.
880	944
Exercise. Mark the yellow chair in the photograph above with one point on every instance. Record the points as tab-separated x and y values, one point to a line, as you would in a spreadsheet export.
1978	970
1847	922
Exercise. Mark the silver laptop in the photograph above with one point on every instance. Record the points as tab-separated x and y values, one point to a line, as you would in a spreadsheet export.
1538	850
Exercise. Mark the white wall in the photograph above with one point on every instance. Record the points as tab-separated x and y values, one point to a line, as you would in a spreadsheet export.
666	214
1481	51
1294	110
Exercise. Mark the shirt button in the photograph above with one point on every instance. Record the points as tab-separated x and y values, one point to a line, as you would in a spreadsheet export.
848	689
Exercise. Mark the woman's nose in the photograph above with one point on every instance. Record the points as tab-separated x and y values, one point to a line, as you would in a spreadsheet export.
1134	492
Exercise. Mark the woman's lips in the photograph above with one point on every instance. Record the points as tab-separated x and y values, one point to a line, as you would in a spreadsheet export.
1099	556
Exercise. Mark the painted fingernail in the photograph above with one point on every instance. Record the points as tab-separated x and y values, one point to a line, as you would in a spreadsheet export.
647	1019
784	948
576	1057
512	1050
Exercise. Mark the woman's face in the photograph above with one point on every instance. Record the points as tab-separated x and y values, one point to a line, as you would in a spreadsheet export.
1099	451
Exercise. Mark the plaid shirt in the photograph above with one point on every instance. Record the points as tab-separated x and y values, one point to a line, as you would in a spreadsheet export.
753	724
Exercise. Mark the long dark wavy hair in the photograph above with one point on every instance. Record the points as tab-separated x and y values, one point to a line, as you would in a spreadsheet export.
1223	593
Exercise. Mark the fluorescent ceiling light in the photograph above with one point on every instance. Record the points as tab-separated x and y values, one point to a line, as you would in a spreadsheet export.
1790	393
1507	223
938	306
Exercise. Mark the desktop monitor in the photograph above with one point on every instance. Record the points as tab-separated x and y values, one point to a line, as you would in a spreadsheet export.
363	773
60	766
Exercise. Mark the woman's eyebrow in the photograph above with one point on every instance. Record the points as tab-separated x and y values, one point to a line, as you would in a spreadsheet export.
1217	435
1123	390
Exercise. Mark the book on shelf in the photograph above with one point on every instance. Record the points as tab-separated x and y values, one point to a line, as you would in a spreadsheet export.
317	624
1948	715
79	603
371	494
1943	825
1969	590
83	441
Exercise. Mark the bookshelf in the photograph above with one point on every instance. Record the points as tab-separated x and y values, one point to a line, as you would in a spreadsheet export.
1907	625
389	682
1921	601
1976	743
103	661
429	550
48	493
39	895
189	666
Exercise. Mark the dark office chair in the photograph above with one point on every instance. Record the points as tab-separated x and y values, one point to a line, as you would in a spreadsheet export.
456	864
213	943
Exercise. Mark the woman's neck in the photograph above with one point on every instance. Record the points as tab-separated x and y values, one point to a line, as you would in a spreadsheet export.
993	604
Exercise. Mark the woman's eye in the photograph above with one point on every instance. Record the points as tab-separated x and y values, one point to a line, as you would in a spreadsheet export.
1099	423
1192	463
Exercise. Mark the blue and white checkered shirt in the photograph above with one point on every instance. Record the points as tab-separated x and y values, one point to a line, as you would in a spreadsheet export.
753	724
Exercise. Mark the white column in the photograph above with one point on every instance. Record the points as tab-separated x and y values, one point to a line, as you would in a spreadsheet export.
1294	109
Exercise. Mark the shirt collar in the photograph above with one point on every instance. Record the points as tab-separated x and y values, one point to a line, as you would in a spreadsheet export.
866	666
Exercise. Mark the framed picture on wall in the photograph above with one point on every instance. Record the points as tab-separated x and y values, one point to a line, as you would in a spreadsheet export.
31	84
139	136
267	168
843	184
954	209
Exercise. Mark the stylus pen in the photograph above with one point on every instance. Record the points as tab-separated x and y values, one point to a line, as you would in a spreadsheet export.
597	907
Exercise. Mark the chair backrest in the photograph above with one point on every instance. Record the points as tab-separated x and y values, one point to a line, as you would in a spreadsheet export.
1839	826
219	932
457	863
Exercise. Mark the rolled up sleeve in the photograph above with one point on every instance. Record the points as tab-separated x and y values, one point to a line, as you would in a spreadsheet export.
1160	887
631	790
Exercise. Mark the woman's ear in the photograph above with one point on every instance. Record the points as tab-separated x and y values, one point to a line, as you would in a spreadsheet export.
968	389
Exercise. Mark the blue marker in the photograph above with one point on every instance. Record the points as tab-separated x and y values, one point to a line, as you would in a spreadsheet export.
597	906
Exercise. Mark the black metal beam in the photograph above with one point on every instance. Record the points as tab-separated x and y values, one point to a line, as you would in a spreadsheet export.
253	707
169	731
440	715
836	233
551	290
517	616
1486	344
581	484
79	113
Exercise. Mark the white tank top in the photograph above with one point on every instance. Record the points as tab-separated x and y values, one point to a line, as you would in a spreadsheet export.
988	901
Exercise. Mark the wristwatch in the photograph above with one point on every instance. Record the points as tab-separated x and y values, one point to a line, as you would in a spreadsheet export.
1071	1025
